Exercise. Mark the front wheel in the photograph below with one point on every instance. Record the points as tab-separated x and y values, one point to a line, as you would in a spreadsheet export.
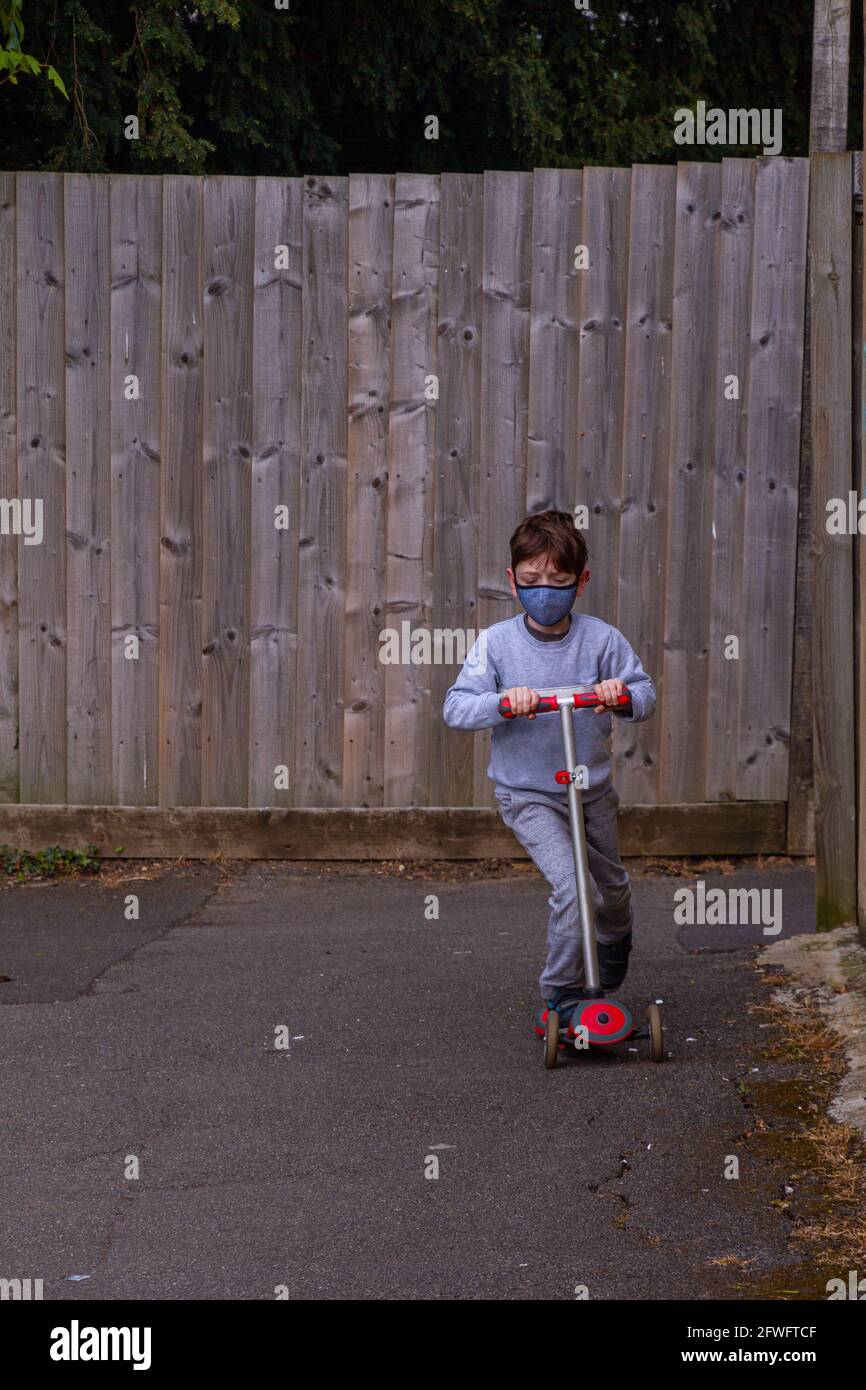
656	1032
551	1039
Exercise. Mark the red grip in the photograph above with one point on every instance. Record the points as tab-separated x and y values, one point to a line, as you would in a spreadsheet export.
583	699
546	705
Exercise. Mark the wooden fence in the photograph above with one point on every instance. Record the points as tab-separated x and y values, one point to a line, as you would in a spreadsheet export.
405	365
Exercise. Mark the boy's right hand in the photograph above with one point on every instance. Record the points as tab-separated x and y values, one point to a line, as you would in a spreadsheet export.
523	700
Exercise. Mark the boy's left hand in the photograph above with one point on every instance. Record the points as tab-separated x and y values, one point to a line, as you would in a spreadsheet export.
609	693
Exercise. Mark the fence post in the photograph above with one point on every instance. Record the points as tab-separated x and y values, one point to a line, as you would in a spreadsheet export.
833	675
828	443
860	475
831	42
858	480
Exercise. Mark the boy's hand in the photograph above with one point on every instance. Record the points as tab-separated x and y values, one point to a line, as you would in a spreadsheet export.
522	700
609	693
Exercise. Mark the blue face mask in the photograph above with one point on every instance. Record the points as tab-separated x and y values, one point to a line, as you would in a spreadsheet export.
546	604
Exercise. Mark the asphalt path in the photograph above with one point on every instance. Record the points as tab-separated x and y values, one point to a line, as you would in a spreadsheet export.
406	1141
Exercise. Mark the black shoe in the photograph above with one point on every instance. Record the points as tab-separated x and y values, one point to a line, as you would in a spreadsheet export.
613	962
565	1000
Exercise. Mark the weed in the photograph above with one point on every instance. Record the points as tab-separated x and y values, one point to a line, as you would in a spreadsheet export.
53	862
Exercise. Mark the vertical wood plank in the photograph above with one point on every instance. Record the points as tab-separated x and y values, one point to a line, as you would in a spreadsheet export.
646	434
800	838
506	269
40	331
554	335
411	484
322	545
88	490
227	260
688	557
8	493
727	615
832	671
371	235
277	339
180	579
457	463
604	288
136	308
800	824
772	473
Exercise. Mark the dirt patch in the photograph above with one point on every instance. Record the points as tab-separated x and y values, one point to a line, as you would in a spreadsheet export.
455	870
689	866
816	1164
109	872
117	871
475	870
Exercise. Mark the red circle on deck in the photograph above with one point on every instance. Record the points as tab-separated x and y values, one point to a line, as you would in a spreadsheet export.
605	1020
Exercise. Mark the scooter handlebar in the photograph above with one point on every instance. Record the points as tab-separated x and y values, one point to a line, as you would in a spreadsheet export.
583	699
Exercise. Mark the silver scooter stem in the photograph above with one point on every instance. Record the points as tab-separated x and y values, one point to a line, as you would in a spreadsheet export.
578	842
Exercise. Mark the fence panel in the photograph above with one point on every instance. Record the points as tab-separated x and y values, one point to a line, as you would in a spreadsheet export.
346	394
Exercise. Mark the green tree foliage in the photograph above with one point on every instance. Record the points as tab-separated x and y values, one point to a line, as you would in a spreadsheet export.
14	62
344	85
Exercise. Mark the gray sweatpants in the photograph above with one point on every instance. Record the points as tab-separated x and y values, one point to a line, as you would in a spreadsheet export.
541	825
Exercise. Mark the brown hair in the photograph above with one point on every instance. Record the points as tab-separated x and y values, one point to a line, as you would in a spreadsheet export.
554	533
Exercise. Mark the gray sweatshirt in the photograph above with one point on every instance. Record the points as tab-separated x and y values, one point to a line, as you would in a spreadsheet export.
525	753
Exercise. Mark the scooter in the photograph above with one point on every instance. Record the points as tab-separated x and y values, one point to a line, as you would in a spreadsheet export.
598	1019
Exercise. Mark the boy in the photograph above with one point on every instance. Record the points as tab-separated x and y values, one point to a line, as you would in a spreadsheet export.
543	650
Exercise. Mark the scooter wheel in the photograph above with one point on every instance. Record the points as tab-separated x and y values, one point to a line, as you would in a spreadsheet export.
657	1037
551	1039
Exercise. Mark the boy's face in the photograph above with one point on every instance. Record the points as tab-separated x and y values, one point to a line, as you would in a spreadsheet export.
543	570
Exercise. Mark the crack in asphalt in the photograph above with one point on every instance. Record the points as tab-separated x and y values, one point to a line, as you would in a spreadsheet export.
89	990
